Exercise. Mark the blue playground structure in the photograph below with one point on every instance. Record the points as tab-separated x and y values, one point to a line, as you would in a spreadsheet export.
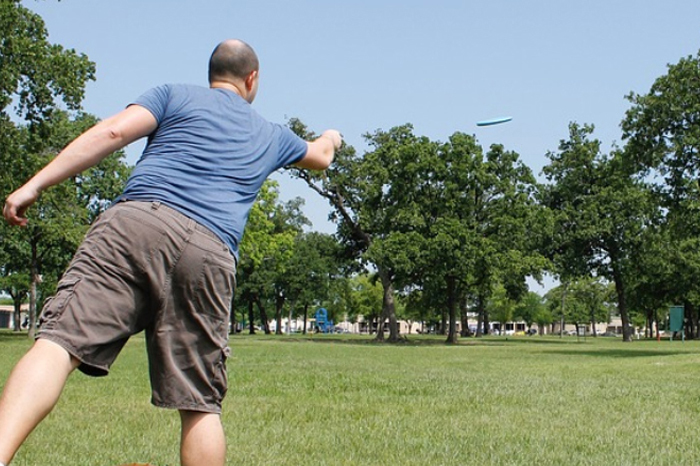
323	325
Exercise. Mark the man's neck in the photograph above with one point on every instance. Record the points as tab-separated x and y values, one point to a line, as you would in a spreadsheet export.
228	86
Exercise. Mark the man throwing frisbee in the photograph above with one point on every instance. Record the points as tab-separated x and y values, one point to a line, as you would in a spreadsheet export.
162	258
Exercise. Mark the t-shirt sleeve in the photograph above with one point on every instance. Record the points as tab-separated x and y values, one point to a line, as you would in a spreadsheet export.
155	100
292	148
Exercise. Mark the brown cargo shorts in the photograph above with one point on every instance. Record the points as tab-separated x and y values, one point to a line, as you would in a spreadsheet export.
145	266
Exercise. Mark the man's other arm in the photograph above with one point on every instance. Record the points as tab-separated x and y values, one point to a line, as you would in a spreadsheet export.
321	151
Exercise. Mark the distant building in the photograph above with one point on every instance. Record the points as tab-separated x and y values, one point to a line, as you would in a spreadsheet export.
7	315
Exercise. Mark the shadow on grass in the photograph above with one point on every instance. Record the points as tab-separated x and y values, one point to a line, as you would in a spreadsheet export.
406	340
568	346
360	340
618	353
10	335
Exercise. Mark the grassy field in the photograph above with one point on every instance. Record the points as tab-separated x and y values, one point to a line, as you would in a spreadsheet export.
347	401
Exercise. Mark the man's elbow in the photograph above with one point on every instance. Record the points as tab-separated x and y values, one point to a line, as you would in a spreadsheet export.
114	134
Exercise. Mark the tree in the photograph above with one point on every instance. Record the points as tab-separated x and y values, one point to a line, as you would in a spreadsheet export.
59	219
44	82
35	73
530	309
311	272
368	299
501	307
483	226
656	284
266	250
370	200
589	298
600	214
662	132
663	146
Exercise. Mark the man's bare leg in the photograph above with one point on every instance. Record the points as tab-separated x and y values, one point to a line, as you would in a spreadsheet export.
203	442
31	392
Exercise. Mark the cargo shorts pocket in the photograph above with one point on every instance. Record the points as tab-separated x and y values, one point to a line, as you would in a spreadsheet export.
56	304
221	377
215	286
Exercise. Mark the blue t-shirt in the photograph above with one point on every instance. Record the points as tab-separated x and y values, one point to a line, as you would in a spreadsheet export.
209	156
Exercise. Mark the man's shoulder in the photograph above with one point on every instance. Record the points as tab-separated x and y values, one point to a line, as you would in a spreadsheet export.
184	88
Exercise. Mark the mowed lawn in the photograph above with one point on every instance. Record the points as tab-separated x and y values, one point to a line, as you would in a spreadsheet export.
347	401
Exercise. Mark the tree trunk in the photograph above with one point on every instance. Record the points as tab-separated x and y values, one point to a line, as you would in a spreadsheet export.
263	315
480	318
251	318
379	321
452	309
693	321
289	319
36	278
388	309
17	299
279	304
232	314
563	303
649	317
622	301
306	316
656	323
464	331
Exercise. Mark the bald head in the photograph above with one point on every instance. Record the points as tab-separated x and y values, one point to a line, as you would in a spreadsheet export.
232	60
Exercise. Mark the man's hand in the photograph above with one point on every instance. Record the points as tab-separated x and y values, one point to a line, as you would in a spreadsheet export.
334	136
17	204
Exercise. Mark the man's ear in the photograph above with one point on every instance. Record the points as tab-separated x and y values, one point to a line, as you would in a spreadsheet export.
250	80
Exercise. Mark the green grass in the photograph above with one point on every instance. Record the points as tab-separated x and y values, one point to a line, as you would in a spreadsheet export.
347	401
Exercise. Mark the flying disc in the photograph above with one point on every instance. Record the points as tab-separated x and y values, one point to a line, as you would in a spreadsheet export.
494	121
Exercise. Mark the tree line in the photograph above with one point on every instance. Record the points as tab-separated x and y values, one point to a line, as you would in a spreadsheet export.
427	230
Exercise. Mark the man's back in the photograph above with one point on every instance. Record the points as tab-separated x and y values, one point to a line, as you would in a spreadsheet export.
209	156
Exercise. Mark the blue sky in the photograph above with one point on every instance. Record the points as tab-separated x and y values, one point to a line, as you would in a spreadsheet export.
359	66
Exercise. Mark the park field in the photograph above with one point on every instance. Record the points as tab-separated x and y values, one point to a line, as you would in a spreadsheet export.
347	401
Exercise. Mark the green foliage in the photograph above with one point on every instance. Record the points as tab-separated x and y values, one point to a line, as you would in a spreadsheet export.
313	276
600	213
438	216
62	215
501	307
662	127
531	309
46	84
267	254
583	300
663	146
35	72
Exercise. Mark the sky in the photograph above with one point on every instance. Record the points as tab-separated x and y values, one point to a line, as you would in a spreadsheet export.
361	66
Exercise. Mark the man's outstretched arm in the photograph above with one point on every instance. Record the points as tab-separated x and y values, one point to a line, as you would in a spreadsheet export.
84	152
320	151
